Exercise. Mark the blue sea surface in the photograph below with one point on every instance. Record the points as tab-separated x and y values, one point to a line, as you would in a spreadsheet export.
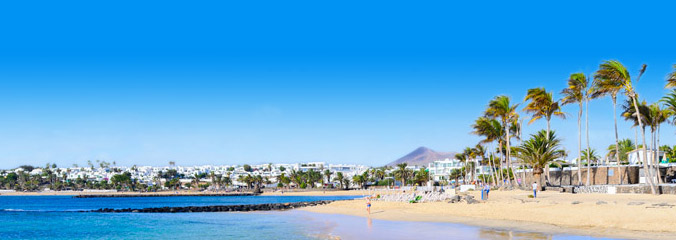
57	217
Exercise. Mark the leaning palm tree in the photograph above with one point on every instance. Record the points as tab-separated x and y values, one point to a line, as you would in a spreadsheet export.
606	84
539	151
542	105
576	93
501	108
613	69
492	131
671	78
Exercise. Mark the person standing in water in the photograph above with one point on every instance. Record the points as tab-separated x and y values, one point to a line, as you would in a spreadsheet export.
368	205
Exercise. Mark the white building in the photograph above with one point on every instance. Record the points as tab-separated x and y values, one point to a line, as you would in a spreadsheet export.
439	170
635	157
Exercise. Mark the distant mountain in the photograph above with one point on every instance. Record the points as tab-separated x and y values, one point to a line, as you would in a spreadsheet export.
422	156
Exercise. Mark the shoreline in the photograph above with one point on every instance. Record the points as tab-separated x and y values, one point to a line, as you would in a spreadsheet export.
596	215
195	193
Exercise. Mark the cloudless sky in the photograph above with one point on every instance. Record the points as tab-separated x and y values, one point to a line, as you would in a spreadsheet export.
148	82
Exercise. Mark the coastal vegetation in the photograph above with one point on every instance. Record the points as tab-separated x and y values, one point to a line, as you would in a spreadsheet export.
611	79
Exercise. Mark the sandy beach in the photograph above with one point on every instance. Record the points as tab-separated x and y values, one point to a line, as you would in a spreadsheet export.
636	216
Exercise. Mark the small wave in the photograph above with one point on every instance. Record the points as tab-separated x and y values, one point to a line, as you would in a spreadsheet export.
13	210
37	210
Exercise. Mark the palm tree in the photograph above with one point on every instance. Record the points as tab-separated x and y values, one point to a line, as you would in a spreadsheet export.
606	84
624	146
576	93
462	158
339	178
402	173
492	131
346	183
455	174
359	180
501	108
226	180
590	156
480	151
470	157
658	115
328	173
196	180
671	78
542	105
380	174
613	69
421	176
539	151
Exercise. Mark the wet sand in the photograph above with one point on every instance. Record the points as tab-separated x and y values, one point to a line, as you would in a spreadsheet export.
637	216
347	227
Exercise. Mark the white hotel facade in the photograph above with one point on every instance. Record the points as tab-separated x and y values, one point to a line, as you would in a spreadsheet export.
441	169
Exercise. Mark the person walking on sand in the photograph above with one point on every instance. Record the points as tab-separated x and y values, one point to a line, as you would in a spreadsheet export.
535	189
368	205
487	188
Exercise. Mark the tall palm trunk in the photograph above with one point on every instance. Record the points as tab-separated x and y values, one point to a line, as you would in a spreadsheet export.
617	141
500	170
651	163
579	148
657	156
493	175
547	176
586	119
645	151
509	159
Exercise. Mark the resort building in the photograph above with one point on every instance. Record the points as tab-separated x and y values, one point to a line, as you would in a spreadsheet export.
635	157
315	166
439	170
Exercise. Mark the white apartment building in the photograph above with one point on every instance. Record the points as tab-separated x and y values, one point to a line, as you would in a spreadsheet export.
440	169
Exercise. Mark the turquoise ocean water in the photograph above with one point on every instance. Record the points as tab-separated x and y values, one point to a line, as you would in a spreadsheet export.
56	217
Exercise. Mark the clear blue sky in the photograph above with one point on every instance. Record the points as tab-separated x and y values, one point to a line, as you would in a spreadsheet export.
336	81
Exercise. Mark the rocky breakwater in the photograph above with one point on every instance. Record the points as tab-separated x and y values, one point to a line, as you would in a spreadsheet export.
219	208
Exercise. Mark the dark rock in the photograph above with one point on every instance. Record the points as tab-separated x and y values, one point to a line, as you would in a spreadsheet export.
220	208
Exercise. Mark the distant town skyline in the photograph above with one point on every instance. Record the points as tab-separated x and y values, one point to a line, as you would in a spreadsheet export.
302	82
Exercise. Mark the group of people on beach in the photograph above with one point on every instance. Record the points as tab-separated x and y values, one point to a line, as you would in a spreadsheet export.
486	188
